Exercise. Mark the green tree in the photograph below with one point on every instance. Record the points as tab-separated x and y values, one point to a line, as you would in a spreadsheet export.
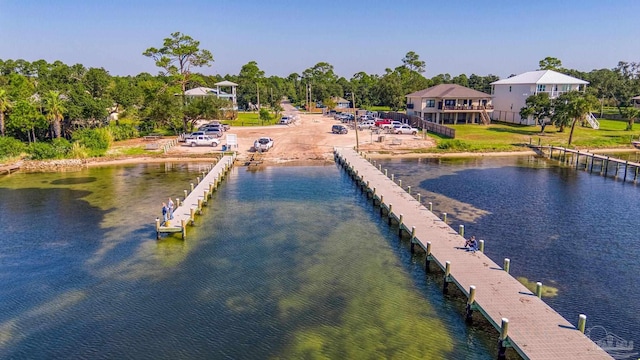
412	62
5	106
631	114
178	55
55	108
571	107
264	115
538	106
25	119
550	63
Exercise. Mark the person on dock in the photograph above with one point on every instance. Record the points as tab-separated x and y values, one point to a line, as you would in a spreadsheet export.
170	208
165	212
471	244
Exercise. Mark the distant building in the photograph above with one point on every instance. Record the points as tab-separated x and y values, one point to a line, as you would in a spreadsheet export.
635	101
450	104
205	91
510	95
341	103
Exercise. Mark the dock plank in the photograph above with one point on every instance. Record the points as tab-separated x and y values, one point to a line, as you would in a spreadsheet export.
536	331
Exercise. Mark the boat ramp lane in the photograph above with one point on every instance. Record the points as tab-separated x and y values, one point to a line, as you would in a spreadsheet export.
583	160
525	322
195	198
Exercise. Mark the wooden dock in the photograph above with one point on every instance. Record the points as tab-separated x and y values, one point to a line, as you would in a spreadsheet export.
600	164
524	321
196	198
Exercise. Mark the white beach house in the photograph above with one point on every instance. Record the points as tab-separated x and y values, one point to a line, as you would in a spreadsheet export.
509	95
450	104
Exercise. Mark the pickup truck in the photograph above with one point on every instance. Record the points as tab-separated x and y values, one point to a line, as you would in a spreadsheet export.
263	144
380	122
202	140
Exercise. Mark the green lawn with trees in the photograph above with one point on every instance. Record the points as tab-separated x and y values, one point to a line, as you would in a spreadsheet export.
56	110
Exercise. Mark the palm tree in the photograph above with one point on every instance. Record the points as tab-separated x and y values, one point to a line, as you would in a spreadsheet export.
631	113
54	106
5	105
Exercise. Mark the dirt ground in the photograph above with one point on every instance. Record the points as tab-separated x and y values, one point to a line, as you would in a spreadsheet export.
308	139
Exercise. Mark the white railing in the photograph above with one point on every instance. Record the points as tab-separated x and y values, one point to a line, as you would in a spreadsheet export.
593	121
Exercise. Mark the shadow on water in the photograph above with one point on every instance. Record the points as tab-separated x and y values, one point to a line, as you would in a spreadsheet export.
74	181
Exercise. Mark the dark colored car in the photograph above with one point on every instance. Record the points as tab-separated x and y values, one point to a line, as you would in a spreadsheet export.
339	129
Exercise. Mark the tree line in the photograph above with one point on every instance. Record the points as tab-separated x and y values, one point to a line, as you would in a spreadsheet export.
46	101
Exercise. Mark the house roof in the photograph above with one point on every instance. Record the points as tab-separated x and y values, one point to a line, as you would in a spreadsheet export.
339	100
541	77
636	97
202	91
449	91
225	83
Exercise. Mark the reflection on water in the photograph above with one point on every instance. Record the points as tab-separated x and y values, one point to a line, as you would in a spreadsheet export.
284	263
574	231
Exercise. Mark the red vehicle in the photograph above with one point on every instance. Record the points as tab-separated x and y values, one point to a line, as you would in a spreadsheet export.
381	122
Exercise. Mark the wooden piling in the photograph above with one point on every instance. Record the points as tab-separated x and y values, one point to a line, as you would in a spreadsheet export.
428	257
447	276
481	246
186	192
470	303
400	183
392	176
158	228
507	265
413	239
192	187
192	215
502	343
389	214
183	223
400	223
430	206
444	217
409	189
420	201
539	290
461	230
582	322
177	203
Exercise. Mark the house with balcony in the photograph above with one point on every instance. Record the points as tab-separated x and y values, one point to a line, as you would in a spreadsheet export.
217	92
450	104
510	95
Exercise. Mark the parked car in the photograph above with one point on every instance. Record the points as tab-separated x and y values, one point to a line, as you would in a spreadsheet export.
380	122
202	140
215	131
286	120
391	125
367	124
405	129
339	129
263	144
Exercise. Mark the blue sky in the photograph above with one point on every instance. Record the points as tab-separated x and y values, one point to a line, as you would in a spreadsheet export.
455	36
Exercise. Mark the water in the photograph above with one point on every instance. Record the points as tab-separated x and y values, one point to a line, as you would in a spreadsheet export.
574	231
289	262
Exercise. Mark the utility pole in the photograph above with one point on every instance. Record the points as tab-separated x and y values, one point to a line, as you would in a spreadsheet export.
258	94
355	120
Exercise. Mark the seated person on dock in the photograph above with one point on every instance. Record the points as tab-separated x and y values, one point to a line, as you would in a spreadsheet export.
471	244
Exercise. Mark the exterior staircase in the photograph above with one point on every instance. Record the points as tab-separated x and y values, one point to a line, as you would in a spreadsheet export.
484	116
593	121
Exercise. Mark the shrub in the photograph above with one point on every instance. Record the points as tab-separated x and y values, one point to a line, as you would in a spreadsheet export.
96	141
453	145
61	146
78	151
10	147
123	131
42	151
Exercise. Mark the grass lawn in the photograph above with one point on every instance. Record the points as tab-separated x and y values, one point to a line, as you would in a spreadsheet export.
503	137
251	119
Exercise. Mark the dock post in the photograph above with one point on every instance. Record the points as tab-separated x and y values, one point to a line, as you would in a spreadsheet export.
461	230
197	179
470	301
385	172
186	192
413	239
381	203
444	217
400	183
507	265
192	187
430	206
392	177
177	203
539	290
409	189
211	189
206	195
636	175
582	322
183	223
577	159
502	343
192	214
428	257
626	166
420	201
606	166
390	214
447	274
199	206
592	159
617	169
158	228
400	223
481	247
380	167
